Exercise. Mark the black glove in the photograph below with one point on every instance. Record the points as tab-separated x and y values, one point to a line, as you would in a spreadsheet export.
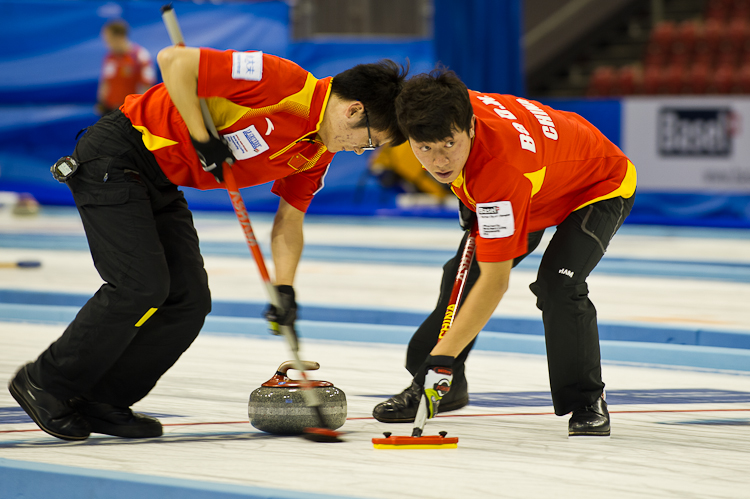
288	313
435	376
213	154
466	217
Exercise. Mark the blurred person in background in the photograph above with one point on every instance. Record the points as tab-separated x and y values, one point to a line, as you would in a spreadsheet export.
127	68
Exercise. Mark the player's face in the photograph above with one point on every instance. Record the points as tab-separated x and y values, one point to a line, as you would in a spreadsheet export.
445	158
114	43
346	134
357	140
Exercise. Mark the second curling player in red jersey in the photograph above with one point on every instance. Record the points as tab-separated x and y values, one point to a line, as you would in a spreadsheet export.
518	167
278	123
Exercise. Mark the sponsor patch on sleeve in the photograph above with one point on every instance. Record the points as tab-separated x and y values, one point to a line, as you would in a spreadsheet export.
247	66
495	219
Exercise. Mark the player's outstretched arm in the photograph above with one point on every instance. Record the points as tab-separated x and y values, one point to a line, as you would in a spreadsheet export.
179	69
477	308
286	248
286	242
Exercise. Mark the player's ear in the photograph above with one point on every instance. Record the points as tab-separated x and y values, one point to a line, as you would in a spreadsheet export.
353	109
471	128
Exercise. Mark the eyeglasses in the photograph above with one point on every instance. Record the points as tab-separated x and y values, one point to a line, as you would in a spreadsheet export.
370	146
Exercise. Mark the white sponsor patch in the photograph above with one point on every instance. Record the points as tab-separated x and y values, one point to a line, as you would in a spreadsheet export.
247	66
246	143
110	68
495	219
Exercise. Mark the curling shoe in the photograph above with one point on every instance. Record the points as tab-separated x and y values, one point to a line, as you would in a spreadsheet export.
117	421
592	420
52	415
402	408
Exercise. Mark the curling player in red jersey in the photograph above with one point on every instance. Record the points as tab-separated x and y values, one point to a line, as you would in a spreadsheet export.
127	68
518	167
277	123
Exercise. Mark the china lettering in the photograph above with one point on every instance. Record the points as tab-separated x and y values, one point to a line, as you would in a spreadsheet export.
447	320
527	142
548	126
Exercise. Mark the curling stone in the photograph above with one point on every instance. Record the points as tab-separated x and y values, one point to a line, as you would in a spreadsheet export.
279	407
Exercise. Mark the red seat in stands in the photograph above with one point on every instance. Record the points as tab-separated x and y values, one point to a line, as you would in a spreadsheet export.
674	77
718	9
698	79
742	79
652	80
685	37
629	80
602	81
722	81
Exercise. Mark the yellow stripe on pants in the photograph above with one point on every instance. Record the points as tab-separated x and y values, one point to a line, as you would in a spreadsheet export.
145	317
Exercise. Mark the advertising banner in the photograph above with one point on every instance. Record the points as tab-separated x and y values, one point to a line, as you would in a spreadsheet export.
689	144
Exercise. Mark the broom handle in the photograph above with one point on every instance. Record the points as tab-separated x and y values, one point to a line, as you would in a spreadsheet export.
467	256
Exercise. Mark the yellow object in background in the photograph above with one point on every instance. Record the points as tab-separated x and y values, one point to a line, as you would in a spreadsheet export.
401	161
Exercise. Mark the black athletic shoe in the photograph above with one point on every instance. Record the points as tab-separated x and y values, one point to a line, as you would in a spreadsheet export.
52	415
402	408
592	420
117	421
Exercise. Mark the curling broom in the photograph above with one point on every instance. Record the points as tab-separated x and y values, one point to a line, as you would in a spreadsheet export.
417	440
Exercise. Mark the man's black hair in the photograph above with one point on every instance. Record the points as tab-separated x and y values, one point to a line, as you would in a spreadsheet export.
376	86
434	106
117	27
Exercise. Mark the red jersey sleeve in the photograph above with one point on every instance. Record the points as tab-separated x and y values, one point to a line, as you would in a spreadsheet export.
299	189
253	79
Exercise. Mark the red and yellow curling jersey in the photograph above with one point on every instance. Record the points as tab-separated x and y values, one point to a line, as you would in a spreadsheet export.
529	167
269	110
125	74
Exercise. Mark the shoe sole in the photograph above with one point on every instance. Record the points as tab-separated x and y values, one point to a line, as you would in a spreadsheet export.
453	406
27	408
123	431
589	434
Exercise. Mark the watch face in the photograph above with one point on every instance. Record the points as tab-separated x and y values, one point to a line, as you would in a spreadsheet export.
64	168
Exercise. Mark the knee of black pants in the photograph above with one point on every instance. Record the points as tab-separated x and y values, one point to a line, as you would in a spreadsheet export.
191	296
553	287
200	295
147	293
192	310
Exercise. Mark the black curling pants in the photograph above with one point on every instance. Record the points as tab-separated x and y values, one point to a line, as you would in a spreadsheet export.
569	316
425	338
155	295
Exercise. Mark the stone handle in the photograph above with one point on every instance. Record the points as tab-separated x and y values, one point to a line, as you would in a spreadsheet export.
309	365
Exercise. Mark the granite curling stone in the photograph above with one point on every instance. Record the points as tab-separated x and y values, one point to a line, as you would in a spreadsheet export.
279	407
